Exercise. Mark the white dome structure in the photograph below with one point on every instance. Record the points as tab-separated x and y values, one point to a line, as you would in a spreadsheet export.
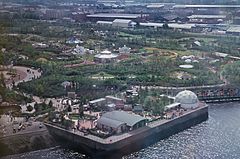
105	57
187	99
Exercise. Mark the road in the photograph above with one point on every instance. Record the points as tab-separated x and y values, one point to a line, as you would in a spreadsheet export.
24	74
7	125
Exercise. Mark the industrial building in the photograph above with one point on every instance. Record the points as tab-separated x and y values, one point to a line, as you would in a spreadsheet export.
109	102
207	19
123	23
234	30
170	25
113	16
120	121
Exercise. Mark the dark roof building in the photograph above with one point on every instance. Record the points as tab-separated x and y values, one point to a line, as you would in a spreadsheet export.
110	122
130	119
120	121
113	16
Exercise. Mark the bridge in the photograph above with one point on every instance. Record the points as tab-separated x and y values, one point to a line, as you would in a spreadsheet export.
209	94
220	99
219	95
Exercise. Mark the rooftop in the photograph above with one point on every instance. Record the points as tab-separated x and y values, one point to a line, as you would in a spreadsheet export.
170	25
112	97
129	119
121	21
104	22
114	15
234	29
207	17
173	105
206	6
155	5
221	54
110	122
186	66
97	100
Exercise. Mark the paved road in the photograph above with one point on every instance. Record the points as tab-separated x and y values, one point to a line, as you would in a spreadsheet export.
7	125
26	74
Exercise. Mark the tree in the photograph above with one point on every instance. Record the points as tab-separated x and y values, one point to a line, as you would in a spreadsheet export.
81	113
165	26
2	86
50	104
36	107
158	106
1	58
39	89
29	108
102	74
148	103
68	124
69	109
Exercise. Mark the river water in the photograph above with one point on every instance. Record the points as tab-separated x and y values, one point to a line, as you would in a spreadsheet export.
218	137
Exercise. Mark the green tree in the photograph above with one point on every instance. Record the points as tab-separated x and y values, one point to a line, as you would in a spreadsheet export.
39	89
148	103
1	58
69	109
2	86
50	104
29	108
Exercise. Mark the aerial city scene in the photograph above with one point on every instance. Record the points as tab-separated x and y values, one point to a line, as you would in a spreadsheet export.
119	79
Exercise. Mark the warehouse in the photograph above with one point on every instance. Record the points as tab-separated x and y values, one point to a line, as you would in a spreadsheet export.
120	121
123	23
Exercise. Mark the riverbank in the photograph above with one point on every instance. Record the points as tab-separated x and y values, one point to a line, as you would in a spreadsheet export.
26	142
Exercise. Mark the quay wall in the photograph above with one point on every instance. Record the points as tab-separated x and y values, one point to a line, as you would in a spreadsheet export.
139	138
25	142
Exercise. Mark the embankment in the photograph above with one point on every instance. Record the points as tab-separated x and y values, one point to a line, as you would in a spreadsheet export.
25	142
134	141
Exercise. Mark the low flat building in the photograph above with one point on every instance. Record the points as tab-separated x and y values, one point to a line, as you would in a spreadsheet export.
123	23
108	23
105	57
118	102
209	19
120	121
97	102
110	125
206	6
172	106
234	30
112	16
236	21
170	25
